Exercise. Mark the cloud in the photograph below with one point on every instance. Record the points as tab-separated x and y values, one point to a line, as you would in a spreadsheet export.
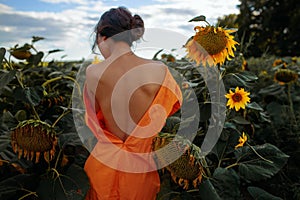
65	1
70	29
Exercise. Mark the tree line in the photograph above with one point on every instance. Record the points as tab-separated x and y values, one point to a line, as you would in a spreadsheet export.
268	26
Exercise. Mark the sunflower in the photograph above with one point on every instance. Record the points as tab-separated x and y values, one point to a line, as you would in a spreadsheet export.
96	60
244	65
31	138
237	99
211	45
242	141
168	57
279	62
187	168
285	76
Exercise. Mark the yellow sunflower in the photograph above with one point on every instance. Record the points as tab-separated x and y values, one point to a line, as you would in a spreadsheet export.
237	99
211	45
96	60
285	76
242	141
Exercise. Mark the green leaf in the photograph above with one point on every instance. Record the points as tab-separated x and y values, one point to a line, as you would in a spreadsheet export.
278	113
240	120
72	185
21	115
227	183
156	54
2	54
32	96
36	38
254	106
260	194
36	59
69	139
198	18
243	79
254	168
55	50
4	142
6	77
9	120
165	191
208	192
10	187
273	89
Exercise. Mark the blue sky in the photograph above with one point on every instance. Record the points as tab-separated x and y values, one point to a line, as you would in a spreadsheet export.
68	24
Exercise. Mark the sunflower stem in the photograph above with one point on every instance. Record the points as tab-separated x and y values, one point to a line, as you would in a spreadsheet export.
206	167
62	77
259	154
22	86
28	194
56	162
291	103
60	117
232	165
207	23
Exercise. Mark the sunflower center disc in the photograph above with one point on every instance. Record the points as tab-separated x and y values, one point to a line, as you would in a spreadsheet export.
237	97
212	42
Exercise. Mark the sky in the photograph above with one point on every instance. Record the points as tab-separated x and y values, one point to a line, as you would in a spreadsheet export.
69	24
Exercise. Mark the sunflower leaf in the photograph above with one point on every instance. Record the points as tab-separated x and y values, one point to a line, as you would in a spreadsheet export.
2	54
227	182
254	168
198	18
208	192
36	38
240	120
260	194
6	77
254	106
73	185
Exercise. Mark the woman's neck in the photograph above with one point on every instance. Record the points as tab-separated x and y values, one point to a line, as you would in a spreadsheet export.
119	48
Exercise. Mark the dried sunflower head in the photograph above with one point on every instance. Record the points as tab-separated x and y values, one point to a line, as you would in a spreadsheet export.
31	138
50	100
187	168
285	76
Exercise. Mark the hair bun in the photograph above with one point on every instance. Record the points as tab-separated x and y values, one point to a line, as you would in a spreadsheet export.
137	27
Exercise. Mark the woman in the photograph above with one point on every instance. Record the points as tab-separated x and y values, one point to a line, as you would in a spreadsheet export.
128	99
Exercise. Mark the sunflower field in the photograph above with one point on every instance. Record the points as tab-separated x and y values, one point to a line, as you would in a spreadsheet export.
255	156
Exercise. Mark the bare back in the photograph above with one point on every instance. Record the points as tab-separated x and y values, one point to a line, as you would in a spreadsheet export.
125	90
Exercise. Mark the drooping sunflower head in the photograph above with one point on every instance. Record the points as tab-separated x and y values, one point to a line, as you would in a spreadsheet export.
31	138
279	62
238	99
187	168
211	45
285	76
50	100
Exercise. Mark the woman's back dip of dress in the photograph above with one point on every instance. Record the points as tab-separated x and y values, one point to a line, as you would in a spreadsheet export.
127	101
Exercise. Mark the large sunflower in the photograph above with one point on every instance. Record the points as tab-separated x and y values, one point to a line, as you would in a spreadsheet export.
187	168
237	99
211	45
31	138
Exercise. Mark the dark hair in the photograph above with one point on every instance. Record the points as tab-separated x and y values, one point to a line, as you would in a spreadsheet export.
118	20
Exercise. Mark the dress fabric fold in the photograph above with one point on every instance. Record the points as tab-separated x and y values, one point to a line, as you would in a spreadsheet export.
126	170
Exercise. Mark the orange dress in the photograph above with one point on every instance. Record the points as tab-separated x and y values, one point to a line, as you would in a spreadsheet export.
126	170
